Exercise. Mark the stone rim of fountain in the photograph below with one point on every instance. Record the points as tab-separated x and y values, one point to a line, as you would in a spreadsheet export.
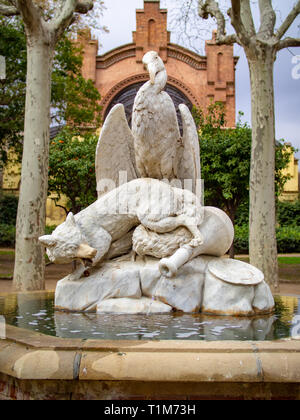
29	355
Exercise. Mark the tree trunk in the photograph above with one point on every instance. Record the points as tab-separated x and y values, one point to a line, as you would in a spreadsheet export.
29	260
262	240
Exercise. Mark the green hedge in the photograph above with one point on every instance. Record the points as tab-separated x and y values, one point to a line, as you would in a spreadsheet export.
8	209
8	233
288	239
288	214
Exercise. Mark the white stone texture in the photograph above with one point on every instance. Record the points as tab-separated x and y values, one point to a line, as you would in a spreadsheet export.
155	204
113	280
183	292
154	124
181	242
114	152
133	306
189	167
235	288
263	300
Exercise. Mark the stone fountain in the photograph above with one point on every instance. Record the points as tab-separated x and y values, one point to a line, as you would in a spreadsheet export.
148	245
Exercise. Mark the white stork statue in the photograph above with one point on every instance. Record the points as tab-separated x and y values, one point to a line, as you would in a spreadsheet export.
157	139
154	147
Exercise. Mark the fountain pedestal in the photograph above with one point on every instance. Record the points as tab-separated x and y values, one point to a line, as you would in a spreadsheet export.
126	286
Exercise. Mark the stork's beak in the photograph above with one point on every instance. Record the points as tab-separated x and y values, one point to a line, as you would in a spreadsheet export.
152	72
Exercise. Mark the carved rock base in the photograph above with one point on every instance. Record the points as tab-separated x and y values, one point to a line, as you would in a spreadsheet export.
208	284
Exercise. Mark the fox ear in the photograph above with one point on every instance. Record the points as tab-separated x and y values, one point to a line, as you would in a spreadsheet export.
47	240
70	219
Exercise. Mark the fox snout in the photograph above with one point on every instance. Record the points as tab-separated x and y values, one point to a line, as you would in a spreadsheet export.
86	252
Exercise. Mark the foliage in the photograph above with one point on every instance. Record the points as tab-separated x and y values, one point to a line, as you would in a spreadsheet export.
242	214
12	89
72	169
241	239
225	161
288	239
282	159
49	229
74	99
8	209
288	214
7	235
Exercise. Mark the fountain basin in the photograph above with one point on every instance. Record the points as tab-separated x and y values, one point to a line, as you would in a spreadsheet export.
40	366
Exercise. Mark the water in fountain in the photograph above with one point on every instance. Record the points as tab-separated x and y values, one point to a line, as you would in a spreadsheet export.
36	312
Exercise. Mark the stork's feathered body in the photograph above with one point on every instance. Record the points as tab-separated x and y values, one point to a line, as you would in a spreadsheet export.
153	148
155	128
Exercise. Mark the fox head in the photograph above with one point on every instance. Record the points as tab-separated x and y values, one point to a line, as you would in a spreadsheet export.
67	243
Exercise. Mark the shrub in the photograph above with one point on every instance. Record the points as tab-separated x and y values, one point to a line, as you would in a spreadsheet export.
288	239
7	235
241	240
8	209
242	214
288	214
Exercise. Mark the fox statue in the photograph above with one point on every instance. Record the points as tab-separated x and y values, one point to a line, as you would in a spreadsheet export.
109	222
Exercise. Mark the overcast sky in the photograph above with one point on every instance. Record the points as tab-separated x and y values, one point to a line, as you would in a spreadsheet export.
119	17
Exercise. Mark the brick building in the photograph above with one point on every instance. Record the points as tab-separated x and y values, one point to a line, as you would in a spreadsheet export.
193	79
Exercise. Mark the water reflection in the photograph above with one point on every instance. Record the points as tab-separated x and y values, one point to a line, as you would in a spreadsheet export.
36	312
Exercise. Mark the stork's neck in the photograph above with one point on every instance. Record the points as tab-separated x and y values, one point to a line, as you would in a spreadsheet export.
160	81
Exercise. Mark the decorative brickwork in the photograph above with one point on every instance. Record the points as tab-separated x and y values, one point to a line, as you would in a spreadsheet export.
201	79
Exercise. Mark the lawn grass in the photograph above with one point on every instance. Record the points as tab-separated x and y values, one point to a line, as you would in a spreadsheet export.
7	252
281	260
289	260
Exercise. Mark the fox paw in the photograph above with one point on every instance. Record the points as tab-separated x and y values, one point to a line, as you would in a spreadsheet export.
196	242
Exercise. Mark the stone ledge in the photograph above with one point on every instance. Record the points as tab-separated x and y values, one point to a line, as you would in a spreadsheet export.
29	355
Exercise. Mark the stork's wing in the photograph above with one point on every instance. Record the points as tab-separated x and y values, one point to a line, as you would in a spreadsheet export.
189	165
115	152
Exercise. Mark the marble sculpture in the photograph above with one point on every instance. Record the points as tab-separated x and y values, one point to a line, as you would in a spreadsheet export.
148	245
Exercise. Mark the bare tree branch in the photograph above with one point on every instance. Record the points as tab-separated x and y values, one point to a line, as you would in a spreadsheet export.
84	6
211	8
30	13
288	21
64	14
8	10
237	23
267	19
247	18
287	43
